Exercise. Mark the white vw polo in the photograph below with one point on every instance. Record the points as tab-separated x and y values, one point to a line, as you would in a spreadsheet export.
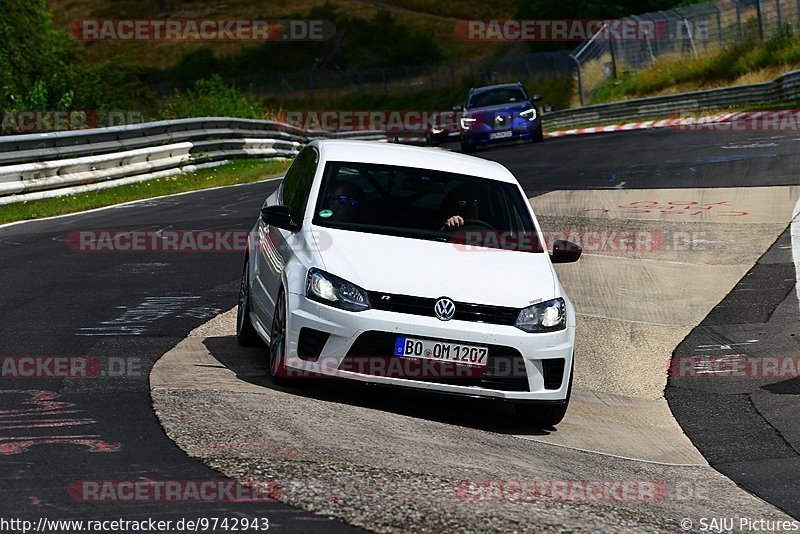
410	267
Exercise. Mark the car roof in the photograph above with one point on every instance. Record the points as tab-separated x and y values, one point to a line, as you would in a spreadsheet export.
516	85
411	156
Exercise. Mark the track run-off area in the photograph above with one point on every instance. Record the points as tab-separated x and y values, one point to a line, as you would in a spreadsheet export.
690	260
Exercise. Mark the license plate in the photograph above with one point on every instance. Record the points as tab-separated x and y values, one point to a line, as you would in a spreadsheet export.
426	349
500	135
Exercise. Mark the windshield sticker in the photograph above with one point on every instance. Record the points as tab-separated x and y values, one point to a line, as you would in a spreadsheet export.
325	214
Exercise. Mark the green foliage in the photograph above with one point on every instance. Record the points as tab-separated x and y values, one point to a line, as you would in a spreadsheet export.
213	98
33	56
44	69
357	43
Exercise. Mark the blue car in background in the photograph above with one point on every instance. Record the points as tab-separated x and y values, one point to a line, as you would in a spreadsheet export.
498	113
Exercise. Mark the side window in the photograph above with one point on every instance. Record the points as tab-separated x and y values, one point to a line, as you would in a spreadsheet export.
297	182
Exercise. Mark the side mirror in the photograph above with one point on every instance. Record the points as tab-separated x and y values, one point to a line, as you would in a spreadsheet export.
565	252
280	216
538	98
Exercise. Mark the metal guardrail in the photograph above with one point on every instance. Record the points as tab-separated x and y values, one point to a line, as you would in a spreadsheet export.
784	89
52	164
47	165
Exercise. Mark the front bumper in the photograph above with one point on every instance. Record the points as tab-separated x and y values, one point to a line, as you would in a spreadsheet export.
524	366
486	137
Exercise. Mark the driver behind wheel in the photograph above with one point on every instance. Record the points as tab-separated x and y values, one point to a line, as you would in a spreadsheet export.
461	204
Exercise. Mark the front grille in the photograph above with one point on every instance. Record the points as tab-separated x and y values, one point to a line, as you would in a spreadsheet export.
553	370
310	343
373	354
478	313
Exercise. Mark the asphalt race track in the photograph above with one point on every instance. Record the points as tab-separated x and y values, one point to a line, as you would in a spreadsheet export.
58	302
134	307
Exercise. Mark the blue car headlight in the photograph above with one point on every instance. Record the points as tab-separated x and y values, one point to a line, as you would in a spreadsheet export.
529	114
546	316
334	291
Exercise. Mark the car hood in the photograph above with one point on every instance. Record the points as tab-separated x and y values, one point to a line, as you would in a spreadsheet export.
422	268
491	111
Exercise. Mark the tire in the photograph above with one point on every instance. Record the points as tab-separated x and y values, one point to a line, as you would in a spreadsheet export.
430	140
276	361
547	416
245	333
538	136
467	148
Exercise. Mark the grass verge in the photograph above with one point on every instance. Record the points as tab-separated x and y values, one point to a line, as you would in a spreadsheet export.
236	172
750	61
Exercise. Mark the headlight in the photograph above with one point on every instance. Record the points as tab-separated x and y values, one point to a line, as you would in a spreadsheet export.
543	317
329	289
529	114
466	122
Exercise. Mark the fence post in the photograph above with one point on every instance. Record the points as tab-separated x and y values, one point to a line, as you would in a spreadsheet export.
739	20
798	14
691	37
760	13
778	13
580	80
650	49
611	44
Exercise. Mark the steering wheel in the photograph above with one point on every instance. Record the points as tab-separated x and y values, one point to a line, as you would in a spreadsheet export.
475	222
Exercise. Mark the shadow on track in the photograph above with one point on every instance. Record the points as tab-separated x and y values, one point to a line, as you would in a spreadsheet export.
249	365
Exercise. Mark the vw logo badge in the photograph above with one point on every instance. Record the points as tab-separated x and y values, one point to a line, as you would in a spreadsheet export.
444	309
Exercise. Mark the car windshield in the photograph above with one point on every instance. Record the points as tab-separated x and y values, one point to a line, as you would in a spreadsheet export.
418	203
497	97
